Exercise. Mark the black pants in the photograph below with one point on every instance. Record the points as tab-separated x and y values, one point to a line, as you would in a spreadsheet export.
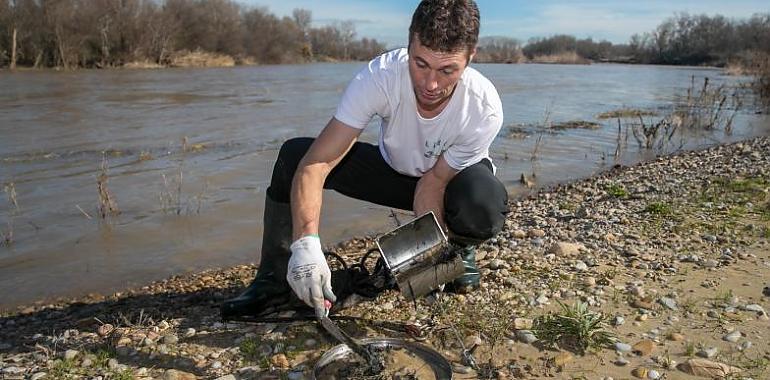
475	201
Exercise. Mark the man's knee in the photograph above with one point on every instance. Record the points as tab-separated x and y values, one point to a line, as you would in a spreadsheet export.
289	156
475	206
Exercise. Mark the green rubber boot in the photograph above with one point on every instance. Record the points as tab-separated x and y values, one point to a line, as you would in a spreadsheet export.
269	288
470	280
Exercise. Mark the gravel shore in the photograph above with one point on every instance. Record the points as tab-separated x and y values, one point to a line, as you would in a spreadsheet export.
673	252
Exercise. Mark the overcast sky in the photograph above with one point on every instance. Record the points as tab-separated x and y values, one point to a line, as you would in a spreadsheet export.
613	20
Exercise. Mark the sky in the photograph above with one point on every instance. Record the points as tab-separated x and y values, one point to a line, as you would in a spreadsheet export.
612	20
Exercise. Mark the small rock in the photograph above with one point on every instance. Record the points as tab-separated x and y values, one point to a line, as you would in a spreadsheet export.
669	303
642	304
310	343
536	233
564	249
733	337
519	234
580	266
522	323
707	368
496	264
526	336
640	372
173	374
746	345
71	354
105	330
189	333
112	363
542	300
163	325
676	337
644	347
755	308
621	361
226	377
12	370
216	365
562	358
38	376
708	353
710	263
618	320
622	347
170	339
653	374
461	369
296	375
766	291
280	361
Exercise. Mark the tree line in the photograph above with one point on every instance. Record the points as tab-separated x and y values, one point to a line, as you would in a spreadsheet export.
680	40
109	33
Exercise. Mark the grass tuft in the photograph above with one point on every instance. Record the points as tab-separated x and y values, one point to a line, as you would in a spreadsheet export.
575	328
616	191
625	113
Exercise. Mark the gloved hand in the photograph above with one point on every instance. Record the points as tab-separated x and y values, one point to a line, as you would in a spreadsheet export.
309	275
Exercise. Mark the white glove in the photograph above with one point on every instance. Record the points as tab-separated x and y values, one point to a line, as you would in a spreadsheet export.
309	275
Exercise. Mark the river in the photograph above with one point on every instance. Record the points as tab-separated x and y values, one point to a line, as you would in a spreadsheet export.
221	128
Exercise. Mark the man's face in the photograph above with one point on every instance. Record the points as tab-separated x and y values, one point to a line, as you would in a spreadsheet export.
434	74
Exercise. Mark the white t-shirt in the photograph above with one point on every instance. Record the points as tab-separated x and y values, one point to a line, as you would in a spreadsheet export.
410	143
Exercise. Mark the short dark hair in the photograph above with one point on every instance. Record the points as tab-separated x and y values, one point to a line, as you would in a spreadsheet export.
446	25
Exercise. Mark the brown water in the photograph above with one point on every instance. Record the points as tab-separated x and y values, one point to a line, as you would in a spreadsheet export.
55	129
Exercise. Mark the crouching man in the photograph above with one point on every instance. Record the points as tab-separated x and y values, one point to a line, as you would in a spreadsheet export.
438	119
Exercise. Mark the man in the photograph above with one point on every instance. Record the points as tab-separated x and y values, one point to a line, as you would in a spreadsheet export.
439	117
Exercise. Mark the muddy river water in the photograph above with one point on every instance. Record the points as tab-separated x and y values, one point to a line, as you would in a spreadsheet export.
221	128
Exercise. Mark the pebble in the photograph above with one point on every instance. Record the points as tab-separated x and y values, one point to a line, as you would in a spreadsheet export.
190	332
522	323
708	353
226	377
496	264
562	358
618	320
622	347
581	266
676	337
755	308
542	300
653	374
13	370
173	374
70	354
526	336
621	361
105	330
669	303
644	347
733	337
216	365
170	339
38	376
461	369
766	291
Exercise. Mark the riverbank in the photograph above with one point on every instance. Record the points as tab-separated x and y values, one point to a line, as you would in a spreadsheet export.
674	252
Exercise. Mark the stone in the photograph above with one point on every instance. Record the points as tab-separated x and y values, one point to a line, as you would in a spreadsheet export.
526	336
755	308
644	347
71	354
618	320
707	368
622	347
280	361
216	365
496	264
562	358
536	233
642	304
542	300
580	266
732	337
519	234
564	249
522	323
669	303
621	361
708	352
190	332
226	377
766	291
105	330
13	370
173	374
676	337
653	374
640	372
38	376
170	339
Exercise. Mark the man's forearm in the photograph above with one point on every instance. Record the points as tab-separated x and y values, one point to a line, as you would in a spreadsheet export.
429	196
306	198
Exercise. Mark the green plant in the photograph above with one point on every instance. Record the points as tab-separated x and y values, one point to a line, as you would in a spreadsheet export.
690	349
64	369
658	208
616	191
250	348
125	374
575	328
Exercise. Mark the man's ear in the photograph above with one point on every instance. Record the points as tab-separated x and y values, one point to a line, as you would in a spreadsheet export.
473	54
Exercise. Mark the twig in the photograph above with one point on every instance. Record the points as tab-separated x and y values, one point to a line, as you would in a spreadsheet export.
84	213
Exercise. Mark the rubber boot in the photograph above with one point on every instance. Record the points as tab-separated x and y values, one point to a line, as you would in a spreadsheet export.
269	288
471	279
